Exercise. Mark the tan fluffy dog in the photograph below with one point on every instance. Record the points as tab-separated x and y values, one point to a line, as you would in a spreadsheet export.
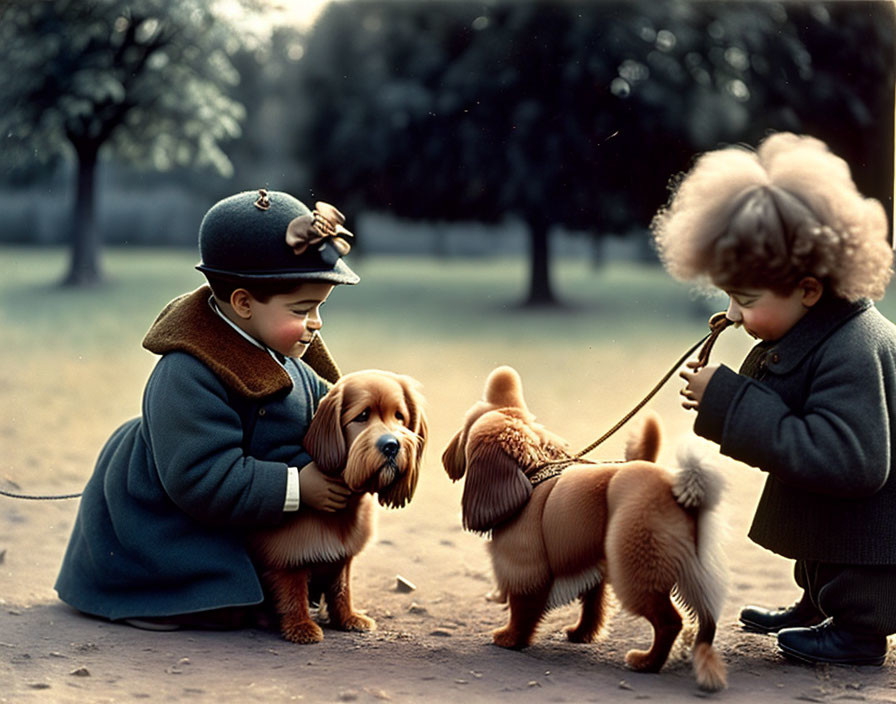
370	429
633	525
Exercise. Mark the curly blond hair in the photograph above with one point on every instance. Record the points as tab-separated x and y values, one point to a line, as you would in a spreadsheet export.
769	217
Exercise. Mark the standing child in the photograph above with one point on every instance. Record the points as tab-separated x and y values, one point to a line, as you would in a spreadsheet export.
159	540
784	232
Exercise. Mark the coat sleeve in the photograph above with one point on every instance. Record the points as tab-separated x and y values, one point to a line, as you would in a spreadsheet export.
195	438
317	388
838	443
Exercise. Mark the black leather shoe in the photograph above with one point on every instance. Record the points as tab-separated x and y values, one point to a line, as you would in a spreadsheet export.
831	644
759	620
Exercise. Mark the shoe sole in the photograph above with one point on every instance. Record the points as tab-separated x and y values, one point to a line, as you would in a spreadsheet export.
751	627
802	657
756	628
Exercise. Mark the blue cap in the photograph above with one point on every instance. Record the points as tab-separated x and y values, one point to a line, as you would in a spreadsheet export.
270	235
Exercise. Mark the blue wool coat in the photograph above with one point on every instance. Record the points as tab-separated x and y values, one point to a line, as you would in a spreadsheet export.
162	522
816	410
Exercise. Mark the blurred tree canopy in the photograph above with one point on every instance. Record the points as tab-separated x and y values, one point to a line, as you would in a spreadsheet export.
577	114
148	80
558	113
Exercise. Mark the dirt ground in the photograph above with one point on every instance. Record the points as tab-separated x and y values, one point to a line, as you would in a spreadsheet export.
432	643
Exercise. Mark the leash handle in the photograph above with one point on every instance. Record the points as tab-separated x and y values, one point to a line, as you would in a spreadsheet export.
717	323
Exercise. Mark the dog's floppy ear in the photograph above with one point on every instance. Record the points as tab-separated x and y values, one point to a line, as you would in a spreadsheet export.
496	487
324	440
417	423
402	490
453	459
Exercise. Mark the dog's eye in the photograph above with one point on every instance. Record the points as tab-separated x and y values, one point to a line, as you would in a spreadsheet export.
362	416
399	416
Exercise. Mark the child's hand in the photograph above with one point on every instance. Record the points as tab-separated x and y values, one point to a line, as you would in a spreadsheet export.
696	386
320	491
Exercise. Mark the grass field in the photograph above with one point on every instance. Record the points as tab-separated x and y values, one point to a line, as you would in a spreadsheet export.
441	298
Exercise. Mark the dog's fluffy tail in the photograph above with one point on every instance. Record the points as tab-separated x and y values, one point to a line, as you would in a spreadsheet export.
698	483
702	579
644	444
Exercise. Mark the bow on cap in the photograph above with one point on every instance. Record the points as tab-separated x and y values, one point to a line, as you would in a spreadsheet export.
323	224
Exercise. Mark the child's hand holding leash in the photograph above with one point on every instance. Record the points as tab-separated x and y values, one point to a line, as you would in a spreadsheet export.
699	373
697	381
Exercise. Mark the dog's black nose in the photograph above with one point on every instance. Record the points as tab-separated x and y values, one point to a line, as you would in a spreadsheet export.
388	445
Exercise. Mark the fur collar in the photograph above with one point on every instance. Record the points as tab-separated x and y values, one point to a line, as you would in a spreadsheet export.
188	324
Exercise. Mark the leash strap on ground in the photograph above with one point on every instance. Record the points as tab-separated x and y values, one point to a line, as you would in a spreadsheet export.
51	497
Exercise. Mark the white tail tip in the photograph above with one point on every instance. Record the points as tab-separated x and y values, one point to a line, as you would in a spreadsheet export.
698	483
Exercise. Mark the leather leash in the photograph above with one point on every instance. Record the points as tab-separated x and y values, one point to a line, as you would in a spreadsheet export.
717	323
51	497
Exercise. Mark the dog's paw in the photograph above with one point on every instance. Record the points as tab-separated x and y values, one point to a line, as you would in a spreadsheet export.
301	631
357	622
642	661
508	638
579	635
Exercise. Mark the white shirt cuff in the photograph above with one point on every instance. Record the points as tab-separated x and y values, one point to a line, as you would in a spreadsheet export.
292	490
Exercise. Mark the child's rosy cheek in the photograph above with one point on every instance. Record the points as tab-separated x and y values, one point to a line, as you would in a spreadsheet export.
287	334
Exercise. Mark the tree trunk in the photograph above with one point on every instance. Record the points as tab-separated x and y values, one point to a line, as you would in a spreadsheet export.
84	267
541	292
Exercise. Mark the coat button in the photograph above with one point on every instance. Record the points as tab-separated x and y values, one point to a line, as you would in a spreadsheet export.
776	358
261	411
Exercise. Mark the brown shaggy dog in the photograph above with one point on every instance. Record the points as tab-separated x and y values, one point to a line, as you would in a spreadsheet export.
633	525
370	429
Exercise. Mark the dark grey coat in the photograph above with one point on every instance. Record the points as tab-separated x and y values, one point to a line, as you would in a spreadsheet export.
817	411
162	522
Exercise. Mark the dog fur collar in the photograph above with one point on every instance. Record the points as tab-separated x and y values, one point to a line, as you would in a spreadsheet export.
188	324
